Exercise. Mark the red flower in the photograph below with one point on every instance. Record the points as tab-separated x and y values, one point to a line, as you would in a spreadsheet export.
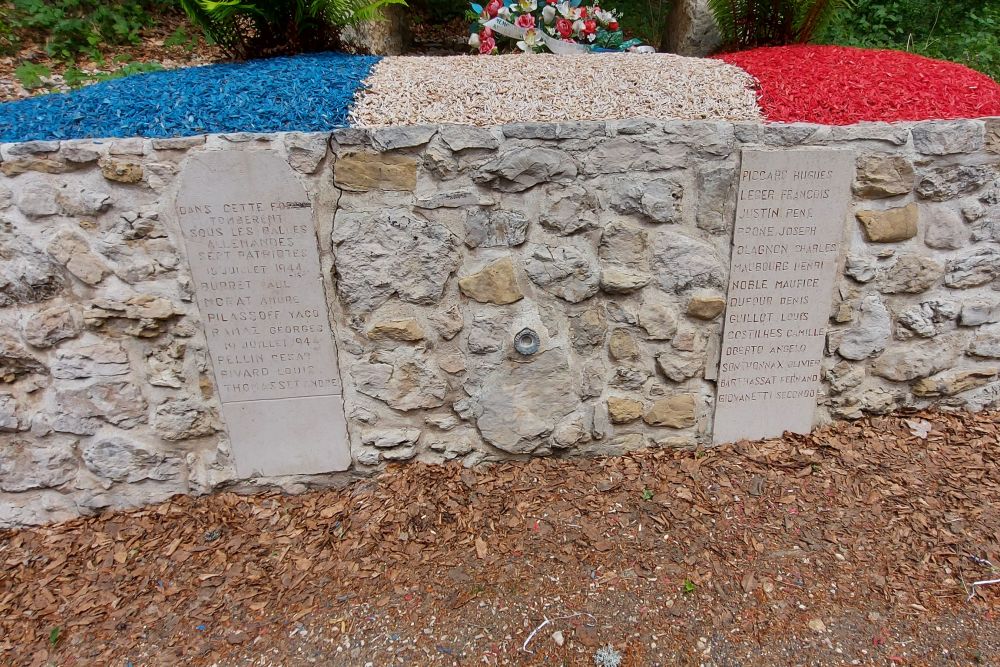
564	27
485	32
613	25
487	45
525	21
590	27
493	8
551	2
583	13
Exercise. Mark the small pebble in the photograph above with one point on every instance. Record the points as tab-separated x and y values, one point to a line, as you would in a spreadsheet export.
816	625
558	638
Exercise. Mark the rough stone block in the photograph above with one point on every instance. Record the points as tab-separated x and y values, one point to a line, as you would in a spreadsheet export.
360	172
890	225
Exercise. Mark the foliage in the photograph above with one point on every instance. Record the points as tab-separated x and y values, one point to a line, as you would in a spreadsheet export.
71	28
550	25
33	76
30	75
261	28
646	20
746	24
964	31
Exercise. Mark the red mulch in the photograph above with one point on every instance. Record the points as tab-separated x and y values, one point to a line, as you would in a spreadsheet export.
837	85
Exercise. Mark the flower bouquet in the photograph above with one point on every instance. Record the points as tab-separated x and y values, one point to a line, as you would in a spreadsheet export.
558	26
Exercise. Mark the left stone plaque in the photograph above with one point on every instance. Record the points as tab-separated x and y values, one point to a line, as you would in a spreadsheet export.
251	244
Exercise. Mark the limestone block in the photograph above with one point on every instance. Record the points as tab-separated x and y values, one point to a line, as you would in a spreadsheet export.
706	305
910	274
909	362
495	283
715	186
80	201
979	311
77	408
71	249
387	438
622	410
891	225
947	137
622	346
495	229
405	378
42	165
678	411
976	266
589	328
945	229
950	383
183	419
36	199
624	245
657	200
569	209
523	168
15	360
25	465
121	171
870	334
118	459
394	138
392	252
944	183
682	263
463	137
360	172
566	271
658	316
678	366
881	176
407	329
51	325
623	281
485	335
447	322
987	342
305	150
862	268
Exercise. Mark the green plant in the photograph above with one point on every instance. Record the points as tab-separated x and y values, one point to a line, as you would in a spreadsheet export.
30	75
645	19
745	24
647	494
689	586
70	28
181	38
75	77
255	28
54	635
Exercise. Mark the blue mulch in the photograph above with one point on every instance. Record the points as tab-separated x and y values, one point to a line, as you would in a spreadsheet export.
310	93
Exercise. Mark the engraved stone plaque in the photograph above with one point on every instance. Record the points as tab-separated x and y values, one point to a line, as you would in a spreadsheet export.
790	217
251	244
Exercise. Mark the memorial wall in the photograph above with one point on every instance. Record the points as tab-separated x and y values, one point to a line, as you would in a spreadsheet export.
297	310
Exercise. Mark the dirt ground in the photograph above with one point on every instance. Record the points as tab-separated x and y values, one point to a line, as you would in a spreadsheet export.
857	545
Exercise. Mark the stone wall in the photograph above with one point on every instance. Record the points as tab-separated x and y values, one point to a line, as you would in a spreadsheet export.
440	245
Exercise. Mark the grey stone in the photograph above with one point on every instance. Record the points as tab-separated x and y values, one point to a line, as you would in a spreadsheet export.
682	263
305	150
6	197
944	183
945	230
399	453
658	316
51	325
463	137
691	30
493	229
950	383
618	155
129	146
178	143
918	320
589	328
881	176
393	138
902	363
569	209
540	393
624	245
629	378
32	147
987	342
569	272
119	459
947	137
530	131
183	419
10	420
871	333
82	152
15	360
404	378
36	199
715	185
80	201
447	322
861	268
910	274
844	376
387	438
391	253
452	445
485	335
78	408
25	465
141	315
523	168
977	266
452	199
979	311
573	430
657	200
622	281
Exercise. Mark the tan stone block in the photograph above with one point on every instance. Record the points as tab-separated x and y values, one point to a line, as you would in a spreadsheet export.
364	171
706	306
953	382
891	225
623	410
674	411
407	329
883	176
43	165
496	283
622	345
121	171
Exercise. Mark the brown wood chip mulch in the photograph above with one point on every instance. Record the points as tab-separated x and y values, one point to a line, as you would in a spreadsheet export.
855	545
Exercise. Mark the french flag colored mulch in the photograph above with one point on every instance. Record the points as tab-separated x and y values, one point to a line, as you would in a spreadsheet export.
838	85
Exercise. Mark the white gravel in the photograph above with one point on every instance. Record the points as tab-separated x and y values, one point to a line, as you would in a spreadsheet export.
493	90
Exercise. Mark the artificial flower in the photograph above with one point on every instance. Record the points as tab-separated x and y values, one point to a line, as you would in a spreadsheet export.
612	25
530	40
487	45
493	8
527	5
577	27
525	21
474	40
504	13
548	13
564	27
589	27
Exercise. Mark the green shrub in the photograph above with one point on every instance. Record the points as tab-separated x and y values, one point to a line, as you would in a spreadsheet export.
645	19
746	24
261	28
965	31
71	28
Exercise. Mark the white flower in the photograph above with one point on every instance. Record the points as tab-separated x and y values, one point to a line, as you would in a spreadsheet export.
565	10
504	13
578	26
527	6
548	13
591	37
474	40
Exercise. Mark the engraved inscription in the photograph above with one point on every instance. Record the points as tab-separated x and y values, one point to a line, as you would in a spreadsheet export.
790	217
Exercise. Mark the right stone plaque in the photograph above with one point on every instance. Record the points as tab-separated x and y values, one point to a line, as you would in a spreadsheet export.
790	216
